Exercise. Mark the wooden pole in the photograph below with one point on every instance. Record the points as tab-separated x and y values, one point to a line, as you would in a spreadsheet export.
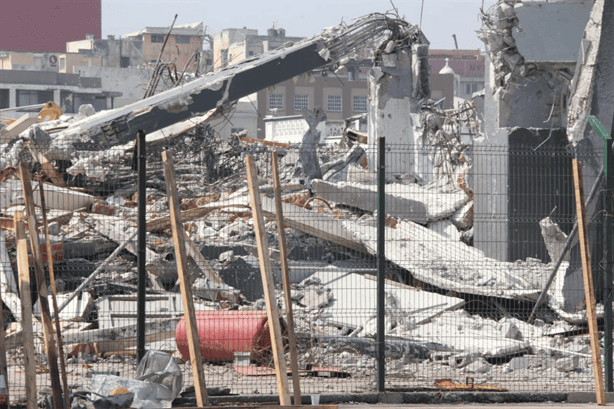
3	371
283	256
26	310
52	356
588	282
267	283
54	301
196	358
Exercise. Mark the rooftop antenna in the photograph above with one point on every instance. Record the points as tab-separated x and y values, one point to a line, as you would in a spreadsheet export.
421	10
455	42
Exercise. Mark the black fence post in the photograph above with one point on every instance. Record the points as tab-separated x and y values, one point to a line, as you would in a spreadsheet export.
142	234
381	263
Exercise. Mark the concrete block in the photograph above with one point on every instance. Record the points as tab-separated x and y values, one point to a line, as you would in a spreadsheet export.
550	31
567	364
510	330
479	366
526	362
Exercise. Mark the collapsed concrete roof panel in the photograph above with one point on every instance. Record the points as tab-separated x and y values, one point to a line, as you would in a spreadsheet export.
222	87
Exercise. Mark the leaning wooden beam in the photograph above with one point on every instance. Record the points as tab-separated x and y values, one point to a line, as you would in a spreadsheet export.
186	291
26	311
588	282
48	168
283	250
43	299
313	223
3	371
266	270
247	139
54	301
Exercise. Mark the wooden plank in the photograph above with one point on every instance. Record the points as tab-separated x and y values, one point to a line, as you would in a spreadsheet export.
196	359
26	311
48	168
54	302
247	139
283	255
589	293
267	283
314	223
3	371
43	299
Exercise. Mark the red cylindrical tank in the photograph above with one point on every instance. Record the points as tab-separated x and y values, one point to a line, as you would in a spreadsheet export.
222	333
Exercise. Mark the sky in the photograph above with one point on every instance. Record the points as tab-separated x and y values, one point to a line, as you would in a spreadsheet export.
440	18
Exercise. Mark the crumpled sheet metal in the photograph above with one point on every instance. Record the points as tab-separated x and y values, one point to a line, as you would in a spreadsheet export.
158	382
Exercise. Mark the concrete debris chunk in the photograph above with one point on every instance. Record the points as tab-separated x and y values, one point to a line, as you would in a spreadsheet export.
567	364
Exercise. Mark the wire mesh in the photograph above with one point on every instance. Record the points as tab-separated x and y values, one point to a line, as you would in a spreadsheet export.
470	240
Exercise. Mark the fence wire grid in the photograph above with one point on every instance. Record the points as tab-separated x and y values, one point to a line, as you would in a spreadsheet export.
471	238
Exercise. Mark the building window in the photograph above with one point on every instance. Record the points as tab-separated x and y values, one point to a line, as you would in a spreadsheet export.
182	39
157	38
471	87
25	98
124	62
62	63
276	101
301	101
334	103
359	103
4	98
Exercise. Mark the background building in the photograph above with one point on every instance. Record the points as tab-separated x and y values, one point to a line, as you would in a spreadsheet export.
232	45
47	25
69	91
468	66
184	48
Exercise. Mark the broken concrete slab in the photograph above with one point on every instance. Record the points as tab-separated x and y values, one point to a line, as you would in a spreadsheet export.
446	229
453	265
121	310
13	130
244	276
468	334
76	310
313	223
354	300
11	193
410	202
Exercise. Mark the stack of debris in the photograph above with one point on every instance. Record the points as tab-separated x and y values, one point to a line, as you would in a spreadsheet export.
331	234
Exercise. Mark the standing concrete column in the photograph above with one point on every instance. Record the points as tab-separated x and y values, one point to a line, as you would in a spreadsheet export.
12	97
391	86
56	96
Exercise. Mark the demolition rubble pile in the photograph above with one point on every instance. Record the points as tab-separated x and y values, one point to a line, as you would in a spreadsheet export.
331	235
